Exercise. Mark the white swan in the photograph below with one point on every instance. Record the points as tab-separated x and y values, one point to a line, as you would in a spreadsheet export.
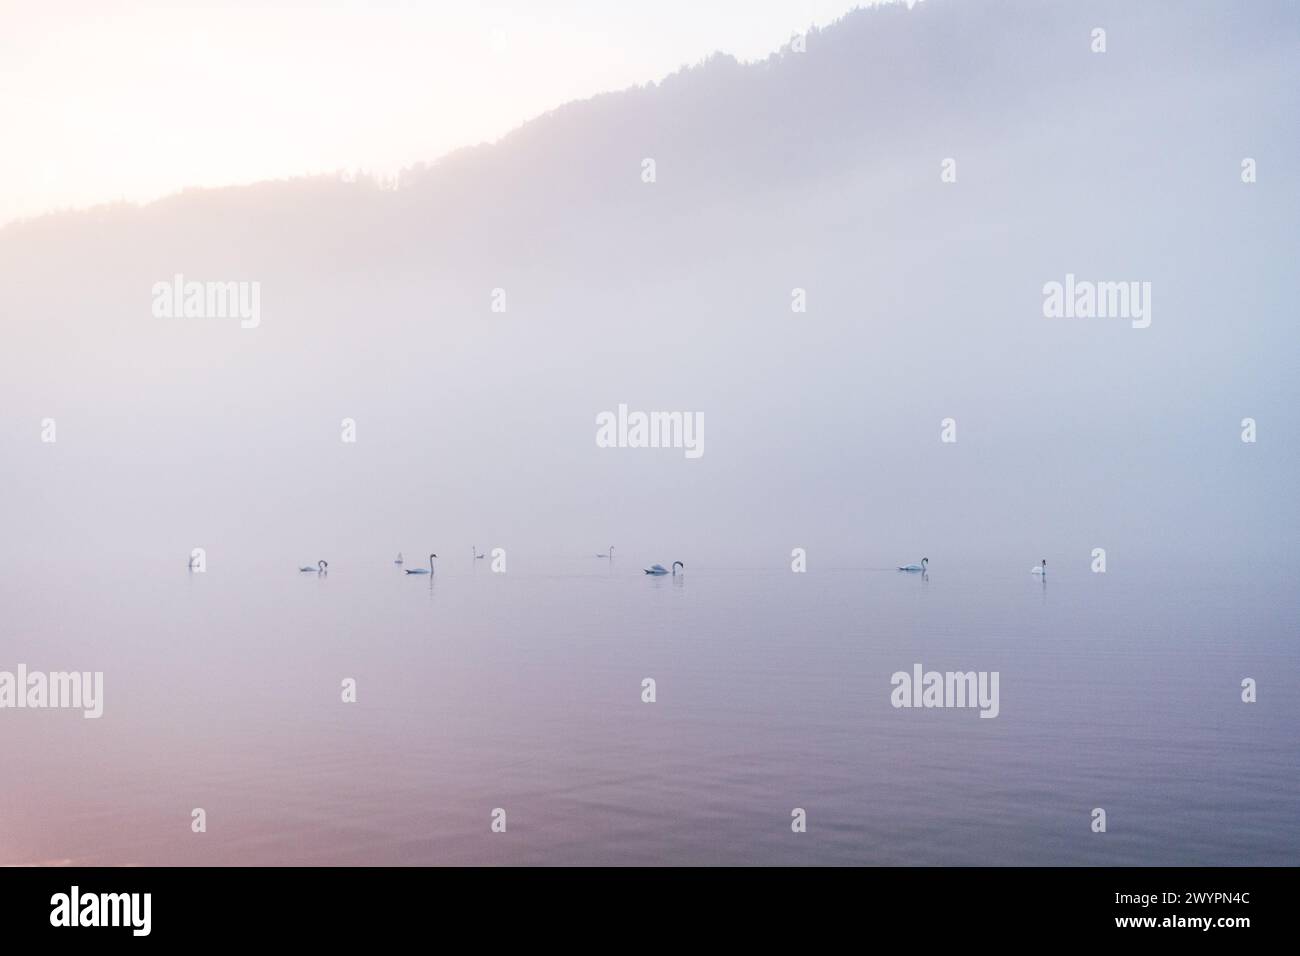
398	559
428	570
321	567
610	555
474	551
1040	569
925	563
660	569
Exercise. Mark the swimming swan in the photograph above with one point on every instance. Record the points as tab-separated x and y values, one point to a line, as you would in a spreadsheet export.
1041	569
398	559
321	567
925	563
660	569
610	555
428	570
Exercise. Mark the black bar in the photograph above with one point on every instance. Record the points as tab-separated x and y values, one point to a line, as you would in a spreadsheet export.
240	904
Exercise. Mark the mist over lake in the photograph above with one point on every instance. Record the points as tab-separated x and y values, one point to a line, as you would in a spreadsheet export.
945	283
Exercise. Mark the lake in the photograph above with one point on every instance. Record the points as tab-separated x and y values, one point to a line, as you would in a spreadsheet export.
523	691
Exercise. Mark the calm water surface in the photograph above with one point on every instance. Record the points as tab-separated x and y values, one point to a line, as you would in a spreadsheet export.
523	691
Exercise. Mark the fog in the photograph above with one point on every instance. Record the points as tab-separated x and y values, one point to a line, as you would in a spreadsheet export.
818	170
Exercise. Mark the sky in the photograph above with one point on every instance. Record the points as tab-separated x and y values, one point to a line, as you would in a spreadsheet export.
102	100
821	172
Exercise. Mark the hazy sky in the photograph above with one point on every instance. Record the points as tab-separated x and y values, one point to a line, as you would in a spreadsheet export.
818	172
108	99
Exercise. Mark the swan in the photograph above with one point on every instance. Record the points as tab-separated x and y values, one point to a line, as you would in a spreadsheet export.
321	567
429	570
398	559
474	551
660	569
610	555
925	563
1040	569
